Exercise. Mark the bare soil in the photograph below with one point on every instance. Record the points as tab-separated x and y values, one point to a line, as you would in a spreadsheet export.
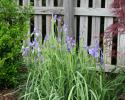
8	95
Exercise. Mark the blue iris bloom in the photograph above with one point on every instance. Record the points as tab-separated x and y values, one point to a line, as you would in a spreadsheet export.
94	51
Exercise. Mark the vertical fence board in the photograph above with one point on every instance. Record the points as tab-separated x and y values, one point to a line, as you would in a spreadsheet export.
60	23
95	24
75	18
121	49
60	3
26	3
49	3
107	41
38	20
69	16
83	24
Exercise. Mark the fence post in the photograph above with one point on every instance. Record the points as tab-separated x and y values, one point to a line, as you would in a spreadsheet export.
60	2
69	16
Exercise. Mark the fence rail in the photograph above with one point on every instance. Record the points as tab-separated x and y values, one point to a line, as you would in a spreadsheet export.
77	11
82	16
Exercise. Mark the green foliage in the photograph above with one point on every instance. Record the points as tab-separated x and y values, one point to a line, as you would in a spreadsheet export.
13	29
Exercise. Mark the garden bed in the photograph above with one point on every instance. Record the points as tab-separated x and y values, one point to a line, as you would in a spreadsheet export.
8	94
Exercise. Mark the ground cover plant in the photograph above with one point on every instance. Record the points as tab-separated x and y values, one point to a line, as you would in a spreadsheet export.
13	29
58	72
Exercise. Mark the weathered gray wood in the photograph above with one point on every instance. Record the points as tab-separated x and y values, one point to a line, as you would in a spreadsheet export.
38	3
26	3
93	12
75	18
60	22
121	49
49	3
38	20
110	68
60	3
48	10
83	24
69	16
78	11
95	24
107	46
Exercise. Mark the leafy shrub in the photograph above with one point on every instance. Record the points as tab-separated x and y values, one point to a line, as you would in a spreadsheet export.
13	29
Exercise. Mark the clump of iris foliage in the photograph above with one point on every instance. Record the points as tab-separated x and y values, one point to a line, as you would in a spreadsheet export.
57	72
13	29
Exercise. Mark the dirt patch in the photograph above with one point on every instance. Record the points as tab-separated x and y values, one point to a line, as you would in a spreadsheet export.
8	95
122	97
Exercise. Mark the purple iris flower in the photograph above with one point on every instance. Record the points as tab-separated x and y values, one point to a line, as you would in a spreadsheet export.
70	42
73	43
59	19
65	28
68	39
25	51
55	18
35	43
31	44
68	48
94	51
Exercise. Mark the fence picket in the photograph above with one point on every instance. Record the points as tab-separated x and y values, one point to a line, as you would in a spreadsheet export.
107	45
75	18
26	3
38	20
121	49
49	3
83	24
69	16
60	21
95	24
60	3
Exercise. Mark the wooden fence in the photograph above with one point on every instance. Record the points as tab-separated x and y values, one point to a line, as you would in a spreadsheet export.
90	17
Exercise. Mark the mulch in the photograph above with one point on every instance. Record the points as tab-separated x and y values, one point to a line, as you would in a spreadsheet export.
7	94
122	97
